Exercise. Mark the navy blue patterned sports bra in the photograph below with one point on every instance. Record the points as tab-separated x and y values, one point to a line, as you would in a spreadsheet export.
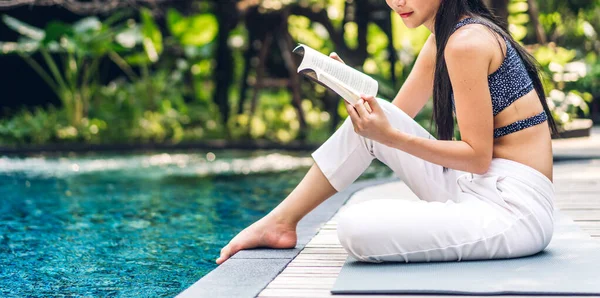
507	84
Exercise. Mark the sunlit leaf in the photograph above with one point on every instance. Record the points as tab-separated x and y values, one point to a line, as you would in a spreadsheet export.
152	37
202	29
518	6
377	40
299	28
129	38
23	28
87	25
517	31
351	34
518	19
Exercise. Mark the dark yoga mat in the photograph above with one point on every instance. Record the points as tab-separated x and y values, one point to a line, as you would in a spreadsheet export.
569	265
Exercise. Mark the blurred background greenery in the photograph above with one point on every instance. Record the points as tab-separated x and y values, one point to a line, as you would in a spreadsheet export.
190	71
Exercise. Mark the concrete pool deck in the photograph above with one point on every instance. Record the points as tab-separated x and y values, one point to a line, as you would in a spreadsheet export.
310	269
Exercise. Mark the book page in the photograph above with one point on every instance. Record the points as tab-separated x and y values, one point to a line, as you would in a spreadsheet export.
356	81
340	88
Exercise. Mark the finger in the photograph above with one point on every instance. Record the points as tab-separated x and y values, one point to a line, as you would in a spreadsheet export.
360	108
372	102
368	107
335	56
351	112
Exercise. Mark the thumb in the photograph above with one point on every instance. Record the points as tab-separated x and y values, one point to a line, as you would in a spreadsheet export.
335	56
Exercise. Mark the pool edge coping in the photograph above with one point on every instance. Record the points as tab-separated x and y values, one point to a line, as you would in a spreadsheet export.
248	272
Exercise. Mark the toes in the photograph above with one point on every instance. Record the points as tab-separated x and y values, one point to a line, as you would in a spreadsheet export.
224	254
228	251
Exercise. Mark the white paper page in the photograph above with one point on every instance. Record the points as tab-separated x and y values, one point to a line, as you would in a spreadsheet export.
354	79
340	88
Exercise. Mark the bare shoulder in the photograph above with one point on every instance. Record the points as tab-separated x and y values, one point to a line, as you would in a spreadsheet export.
472	42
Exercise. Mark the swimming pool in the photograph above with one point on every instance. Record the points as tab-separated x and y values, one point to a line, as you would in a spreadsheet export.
134	225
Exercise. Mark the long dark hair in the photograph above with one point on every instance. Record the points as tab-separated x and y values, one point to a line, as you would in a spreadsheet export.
446	18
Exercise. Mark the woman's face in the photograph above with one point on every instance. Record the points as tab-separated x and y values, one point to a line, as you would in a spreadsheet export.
415	13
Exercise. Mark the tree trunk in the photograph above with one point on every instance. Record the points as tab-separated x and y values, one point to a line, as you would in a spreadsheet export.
540	35
227	18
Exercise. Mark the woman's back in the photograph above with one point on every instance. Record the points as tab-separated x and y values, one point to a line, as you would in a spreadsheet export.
529	143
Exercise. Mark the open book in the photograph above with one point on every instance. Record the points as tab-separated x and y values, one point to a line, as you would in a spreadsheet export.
342	79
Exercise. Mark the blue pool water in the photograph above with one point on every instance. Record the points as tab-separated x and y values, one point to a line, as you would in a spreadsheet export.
132	225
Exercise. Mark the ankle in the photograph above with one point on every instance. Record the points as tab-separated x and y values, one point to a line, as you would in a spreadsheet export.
282	218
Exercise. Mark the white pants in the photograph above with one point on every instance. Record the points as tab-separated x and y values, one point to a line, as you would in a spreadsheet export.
505	213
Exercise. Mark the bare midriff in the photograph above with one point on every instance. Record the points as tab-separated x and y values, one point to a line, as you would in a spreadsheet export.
531	146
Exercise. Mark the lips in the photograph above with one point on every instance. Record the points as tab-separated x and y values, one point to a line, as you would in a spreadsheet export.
405	15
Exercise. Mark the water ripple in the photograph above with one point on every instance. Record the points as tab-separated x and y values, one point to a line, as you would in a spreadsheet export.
159	164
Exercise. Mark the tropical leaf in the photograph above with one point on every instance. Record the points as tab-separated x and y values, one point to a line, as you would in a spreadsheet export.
152	37
197	30
87	25
23	28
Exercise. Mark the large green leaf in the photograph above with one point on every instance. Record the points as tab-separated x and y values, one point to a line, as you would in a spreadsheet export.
23	28
202	29
197	30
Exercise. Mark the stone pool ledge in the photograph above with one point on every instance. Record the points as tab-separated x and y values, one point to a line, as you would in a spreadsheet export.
247	272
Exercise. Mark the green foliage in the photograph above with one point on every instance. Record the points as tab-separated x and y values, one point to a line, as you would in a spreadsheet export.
197	30
165	95
152	38
570	74
71	53
518	18
276	119
27	127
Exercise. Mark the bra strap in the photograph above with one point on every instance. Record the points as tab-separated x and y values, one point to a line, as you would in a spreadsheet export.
466	22
471	20
520	125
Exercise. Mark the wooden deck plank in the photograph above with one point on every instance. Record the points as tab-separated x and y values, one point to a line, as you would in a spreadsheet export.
313	293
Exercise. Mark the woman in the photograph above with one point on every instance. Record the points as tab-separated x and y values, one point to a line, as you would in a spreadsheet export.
489	195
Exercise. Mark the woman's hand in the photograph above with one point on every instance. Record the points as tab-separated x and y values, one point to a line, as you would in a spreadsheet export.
373	125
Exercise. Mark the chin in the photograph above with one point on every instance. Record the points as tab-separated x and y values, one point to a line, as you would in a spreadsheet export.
412	25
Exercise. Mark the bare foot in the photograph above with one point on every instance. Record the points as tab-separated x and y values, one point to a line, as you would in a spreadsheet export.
266	232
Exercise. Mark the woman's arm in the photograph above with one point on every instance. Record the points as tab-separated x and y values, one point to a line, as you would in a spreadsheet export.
468	58
418	87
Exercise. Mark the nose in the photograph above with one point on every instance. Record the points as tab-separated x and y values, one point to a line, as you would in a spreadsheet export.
400	3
